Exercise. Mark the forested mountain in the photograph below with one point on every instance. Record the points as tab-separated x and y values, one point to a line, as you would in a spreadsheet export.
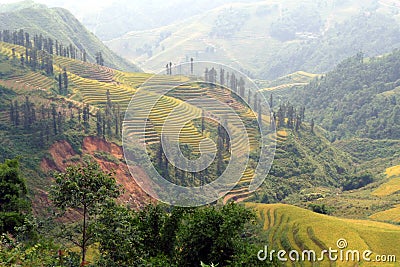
59	24
360	98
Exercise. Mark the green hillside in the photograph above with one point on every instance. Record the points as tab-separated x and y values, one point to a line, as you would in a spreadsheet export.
60	24
357	99
305	164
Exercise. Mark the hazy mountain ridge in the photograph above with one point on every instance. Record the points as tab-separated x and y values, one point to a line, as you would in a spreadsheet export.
276	33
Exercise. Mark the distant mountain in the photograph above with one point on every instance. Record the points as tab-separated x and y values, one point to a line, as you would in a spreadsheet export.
59	24
120	17
269	39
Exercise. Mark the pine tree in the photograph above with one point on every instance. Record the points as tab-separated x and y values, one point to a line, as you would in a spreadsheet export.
42	112
65	81
54	114
117	120
60	122
99	59
312	125
99	123
16	110
60	88
220	149
84	56
12	113
203	127
160	156
271	101
86	118
222	77
27	112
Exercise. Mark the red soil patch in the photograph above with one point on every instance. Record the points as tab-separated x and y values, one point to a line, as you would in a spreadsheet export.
61	153
92	144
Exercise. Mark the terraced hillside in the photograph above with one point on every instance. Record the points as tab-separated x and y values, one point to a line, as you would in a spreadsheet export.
303	160
90	84
292	228
291	81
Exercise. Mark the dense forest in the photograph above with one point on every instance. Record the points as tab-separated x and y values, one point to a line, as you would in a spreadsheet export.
357	99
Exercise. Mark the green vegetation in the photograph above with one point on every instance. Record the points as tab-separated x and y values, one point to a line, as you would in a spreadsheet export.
15	207
84	189
159	235
360	96
156	235
303	161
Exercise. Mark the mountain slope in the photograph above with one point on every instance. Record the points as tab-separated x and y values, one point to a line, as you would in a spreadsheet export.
305	163
358	99
60	24
303	159
283	38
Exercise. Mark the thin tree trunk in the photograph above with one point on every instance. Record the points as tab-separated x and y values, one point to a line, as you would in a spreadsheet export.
84	235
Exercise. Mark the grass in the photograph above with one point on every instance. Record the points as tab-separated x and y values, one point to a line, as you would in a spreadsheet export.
295	228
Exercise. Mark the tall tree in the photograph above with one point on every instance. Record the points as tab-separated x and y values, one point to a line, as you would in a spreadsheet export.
60	88
312	125
16	111
54	115
85	189
222	77
65	81
99	123
12	113
241	86
220	157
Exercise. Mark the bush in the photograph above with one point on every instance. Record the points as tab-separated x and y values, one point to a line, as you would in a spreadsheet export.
357	181
320	208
